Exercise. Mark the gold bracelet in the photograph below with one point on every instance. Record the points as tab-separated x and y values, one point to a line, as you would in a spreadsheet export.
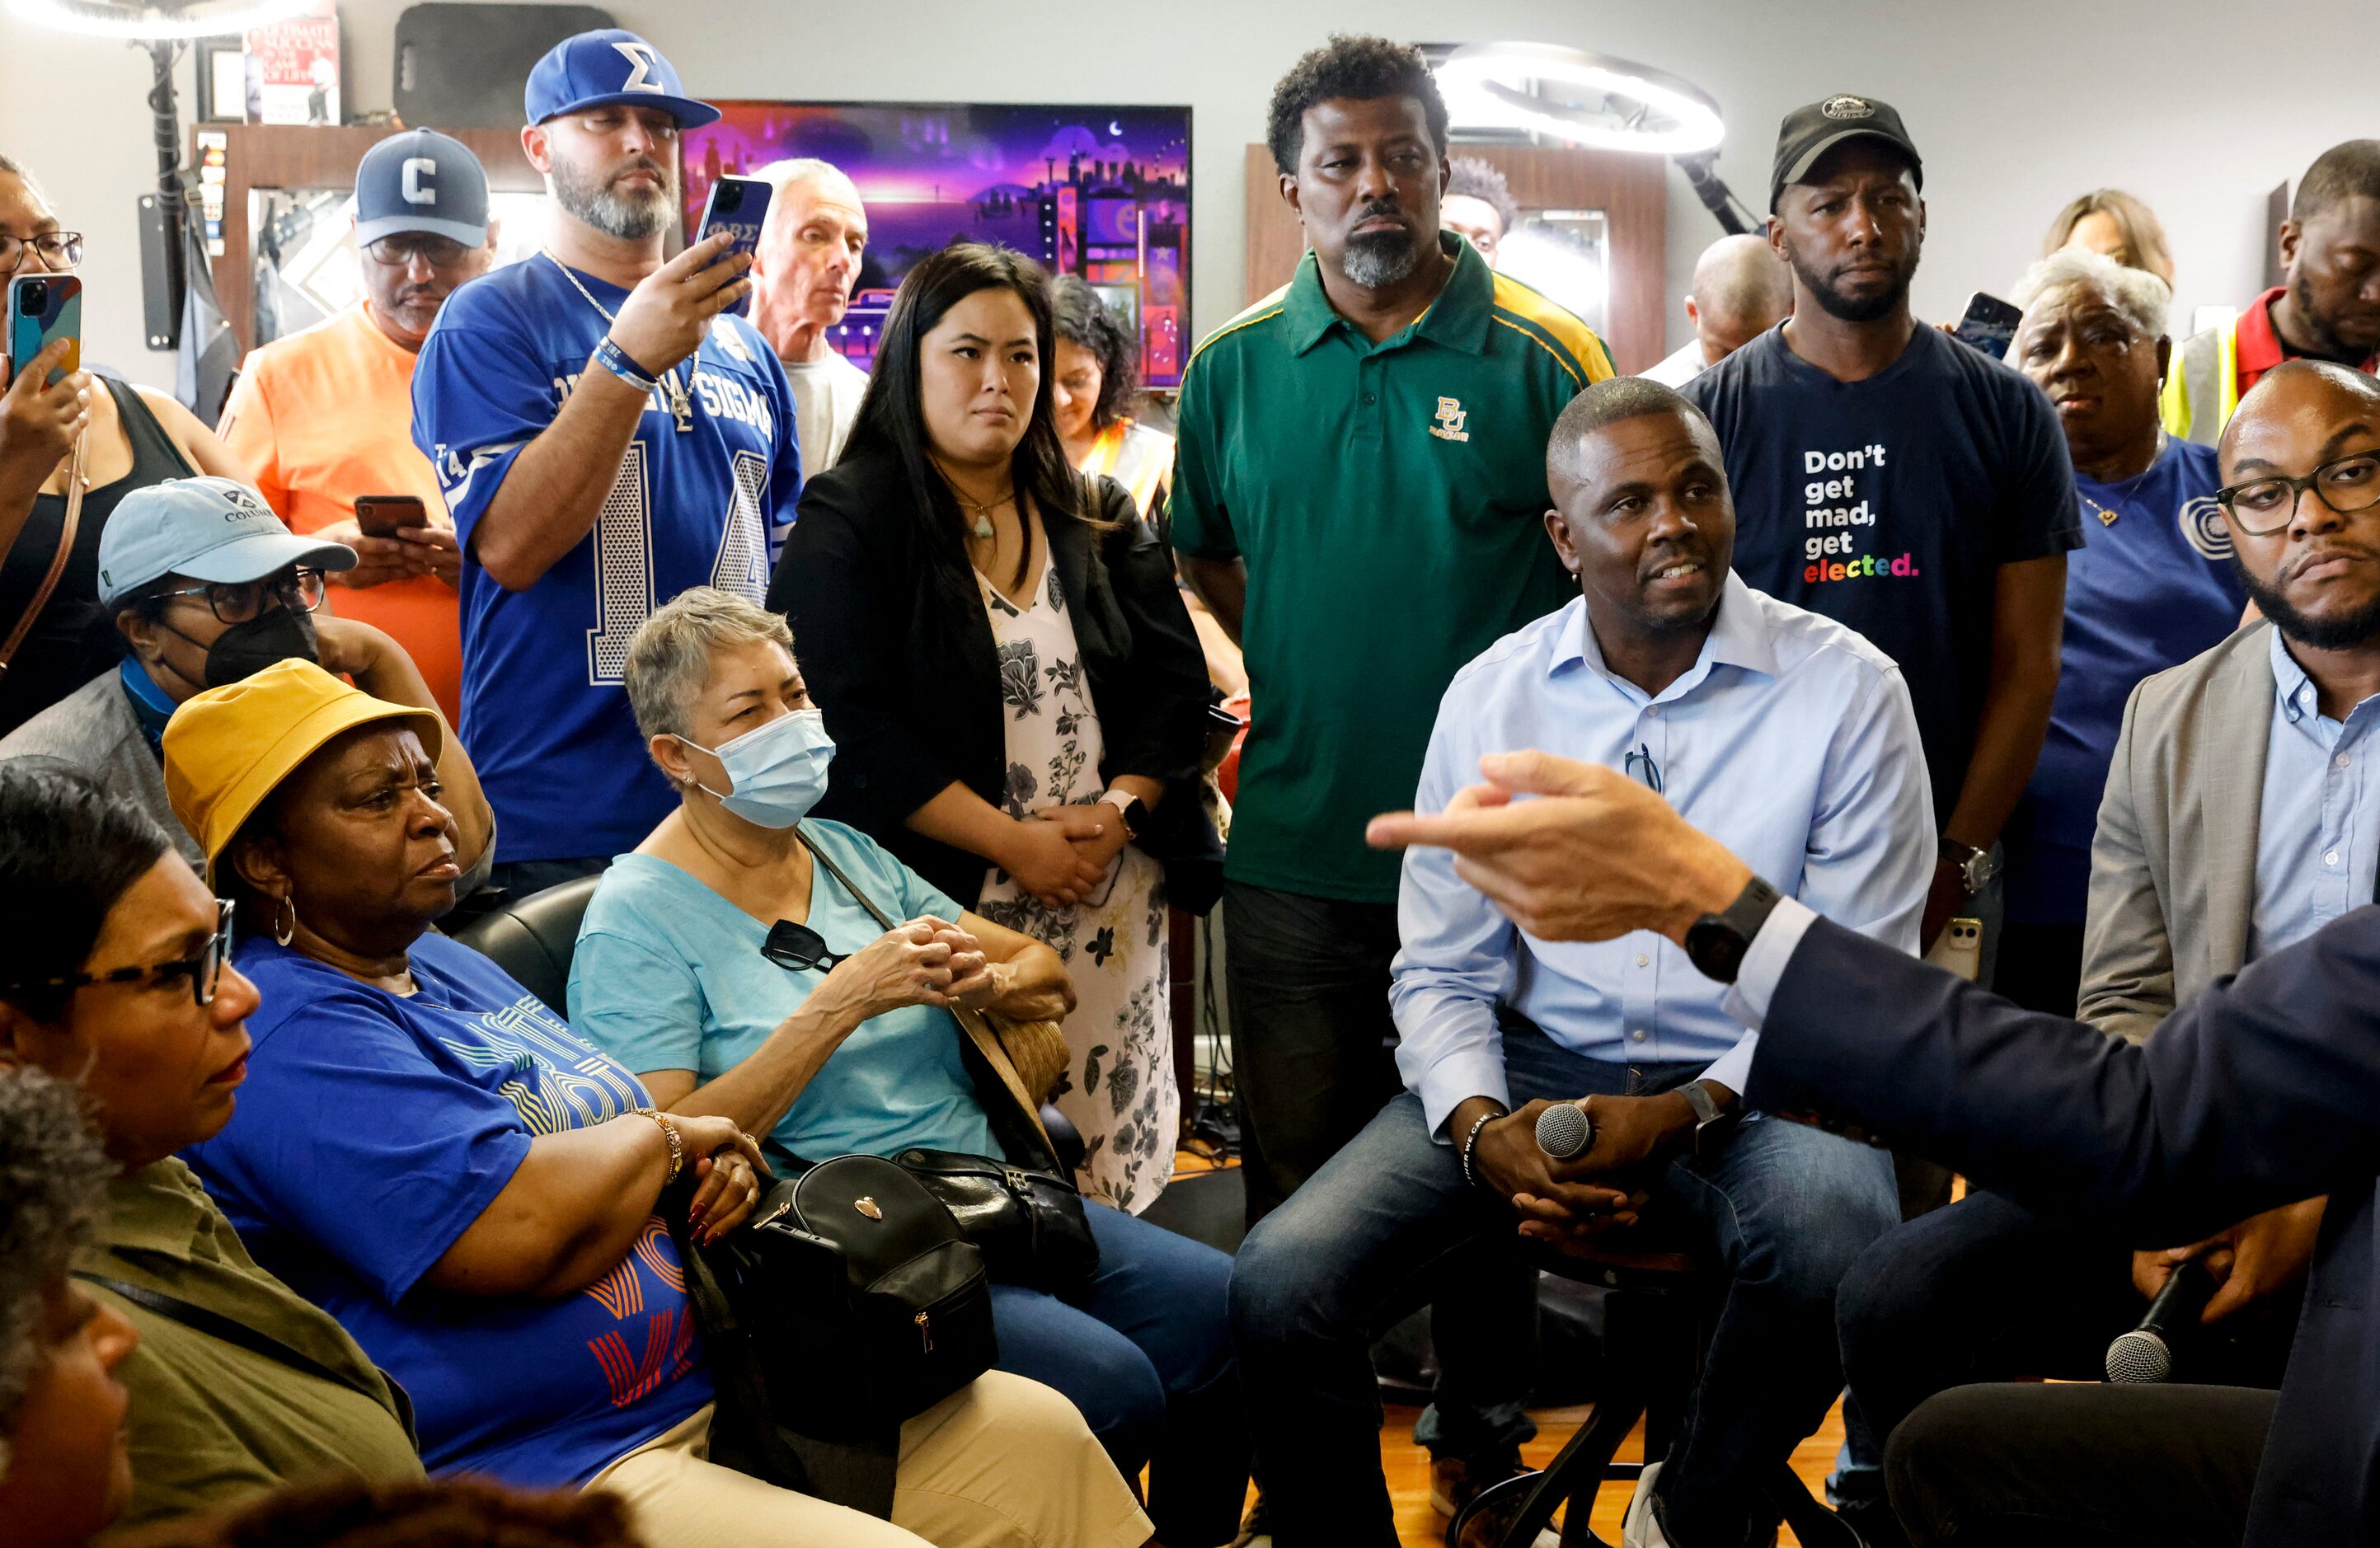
669	1131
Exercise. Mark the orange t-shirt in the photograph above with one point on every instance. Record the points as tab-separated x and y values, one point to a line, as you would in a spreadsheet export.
322	417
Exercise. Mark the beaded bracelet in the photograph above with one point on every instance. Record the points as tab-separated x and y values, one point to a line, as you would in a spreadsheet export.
612	358
669	1131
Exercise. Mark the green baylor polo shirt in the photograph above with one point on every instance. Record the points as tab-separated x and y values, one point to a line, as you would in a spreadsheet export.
1388	501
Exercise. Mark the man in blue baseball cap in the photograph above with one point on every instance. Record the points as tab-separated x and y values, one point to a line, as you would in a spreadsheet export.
325	417
208	587
607	436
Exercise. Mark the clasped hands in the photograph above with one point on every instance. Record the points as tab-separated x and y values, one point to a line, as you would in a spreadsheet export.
1583	1198
1062	854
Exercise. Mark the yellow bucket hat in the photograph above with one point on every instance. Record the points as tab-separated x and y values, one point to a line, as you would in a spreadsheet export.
229	748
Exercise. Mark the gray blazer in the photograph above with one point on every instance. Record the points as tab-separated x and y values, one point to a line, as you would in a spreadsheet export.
2173	864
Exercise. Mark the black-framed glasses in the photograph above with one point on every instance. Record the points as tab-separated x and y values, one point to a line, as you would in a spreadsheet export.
2346	485
59	250
799	949
239	601
400	250
204	971
1639	764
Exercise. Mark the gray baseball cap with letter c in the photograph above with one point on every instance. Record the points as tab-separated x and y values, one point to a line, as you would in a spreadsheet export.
425	181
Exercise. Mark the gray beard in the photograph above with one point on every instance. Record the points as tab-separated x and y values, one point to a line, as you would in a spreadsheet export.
1376	262
613	213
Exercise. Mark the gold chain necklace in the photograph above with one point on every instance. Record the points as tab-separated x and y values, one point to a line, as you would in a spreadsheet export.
680	405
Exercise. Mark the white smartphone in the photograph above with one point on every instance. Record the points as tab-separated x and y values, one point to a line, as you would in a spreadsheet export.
1959	949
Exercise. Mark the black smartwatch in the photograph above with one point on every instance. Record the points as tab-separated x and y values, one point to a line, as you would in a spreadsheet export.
1715	943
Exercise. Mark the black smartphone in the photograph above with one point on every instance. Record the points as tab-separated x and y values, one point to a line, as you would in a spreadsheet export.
44	309
383	515
1989	324
738	206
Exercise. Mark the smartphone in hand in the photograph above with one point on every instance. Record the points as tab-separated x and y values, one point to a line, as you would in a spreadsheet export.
42	309
383	515
1989	324
738	206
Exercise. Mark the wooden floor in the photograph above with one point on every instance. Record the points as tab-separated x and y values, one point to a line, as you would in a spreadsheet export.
1407	1467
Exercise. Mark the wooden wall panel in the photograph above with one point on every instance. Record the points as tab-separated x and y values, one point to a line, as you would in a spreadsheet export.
1632	190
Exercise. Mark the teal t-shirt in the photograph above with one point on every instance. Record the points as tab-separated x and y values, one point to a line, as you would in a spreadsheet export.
669	975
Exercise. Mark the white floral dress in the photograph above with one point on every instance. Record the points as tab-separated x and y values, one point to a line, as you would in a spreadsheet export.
1119	1087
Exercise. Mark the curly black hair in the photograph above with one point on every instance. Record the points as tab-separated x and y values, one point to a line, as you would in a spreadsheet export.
1473	178
52	1183
1082	318
458	1513
1362	68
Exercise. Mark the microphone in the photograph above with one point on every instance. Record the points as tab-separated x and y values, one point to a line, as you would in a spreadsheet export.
1565	1131
2145	1356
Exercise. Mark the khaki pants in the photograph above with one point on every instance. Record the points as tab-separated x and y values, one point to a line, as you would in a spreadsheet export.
1004	1463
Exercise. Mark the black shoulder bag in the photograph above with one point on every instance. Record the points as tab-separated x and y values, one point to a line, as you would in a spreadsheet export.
848	1303
1029	1223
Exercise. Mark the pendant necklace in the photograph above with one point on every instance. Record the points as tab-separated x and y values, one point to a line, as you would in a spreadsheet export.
980	510
680	405
2126	487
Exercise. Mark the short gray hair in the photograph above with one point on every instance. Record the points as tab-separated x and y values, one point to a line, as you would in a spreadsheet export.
2141	299
783	174
670	658
53	1186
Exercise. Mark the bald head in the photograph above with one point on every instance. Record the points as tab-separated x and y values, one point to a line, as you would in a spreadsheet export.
2301	458
1741	290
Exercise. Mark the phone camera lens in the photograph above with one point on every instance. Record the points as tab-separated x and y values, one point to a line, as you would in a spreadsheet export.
37	294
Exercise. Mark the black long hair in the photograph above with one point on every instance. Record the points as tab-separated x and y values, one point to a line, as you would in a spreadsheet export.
891	416
1082	318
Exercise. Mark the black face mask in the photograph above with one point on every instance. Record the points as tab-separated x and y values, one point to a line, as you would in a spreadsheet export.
245	649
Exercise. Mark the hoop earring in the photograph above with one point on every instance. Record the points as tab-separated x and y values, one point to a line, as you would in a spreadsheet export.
284	921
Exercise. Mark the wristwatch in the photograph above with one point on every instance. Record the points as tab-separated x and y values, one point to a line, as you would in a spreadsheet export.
1131	808
1710	1124
1715	943
1975	866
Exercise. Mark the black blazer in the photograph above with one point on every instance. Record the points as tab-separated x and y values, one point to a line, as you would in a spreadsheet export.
2262	1090
893	641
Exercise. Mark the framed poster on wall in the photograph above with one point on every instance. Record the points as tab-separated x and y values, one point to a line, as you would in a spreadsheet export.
1098	191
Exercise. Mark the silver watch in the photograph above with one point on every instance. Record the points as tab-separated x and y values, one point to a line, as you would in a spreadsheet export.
1975	866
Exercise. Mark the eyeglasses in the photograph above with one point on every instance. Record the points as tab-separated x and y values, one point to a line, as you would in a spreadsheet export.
400	250
59	250
1639	764
204	971
2349	484
240	602
799	949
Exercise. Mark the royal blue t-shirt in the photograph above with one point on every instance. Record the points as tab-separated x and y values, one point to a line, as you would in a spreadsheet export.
371	1131
1891	504
2155	588
543	710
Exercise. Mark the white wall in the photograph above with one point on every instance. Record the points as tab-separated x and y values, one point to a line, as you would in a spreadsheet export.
2017	104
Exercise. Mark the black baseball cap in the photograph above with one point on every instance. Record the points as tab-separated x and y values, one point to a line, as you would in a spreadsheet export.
1809	132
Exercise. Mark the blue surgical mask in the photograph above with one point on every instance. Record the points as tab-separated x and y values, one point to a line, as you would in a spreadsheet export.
776	773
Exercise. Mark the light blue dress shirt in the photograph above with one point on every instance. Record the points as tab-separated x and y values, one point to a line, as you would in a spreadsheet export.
1791	740
2318	829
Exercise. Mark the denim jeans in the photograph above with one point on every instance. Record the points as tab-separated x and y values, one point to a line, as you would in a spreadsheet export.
1986	1290
1146	1358
1390	1221
1313	1057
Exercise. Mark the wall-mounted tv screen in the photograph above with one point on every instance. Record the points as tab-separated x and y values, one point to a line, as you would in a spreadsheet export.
1102	192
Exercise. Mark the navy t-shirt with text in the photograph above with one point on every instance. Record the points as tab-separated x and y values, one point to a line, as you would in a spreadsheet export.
1890	505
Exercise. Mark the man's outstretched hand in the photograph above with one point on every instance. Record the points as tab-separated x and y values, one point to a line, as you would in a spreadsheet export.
1595	855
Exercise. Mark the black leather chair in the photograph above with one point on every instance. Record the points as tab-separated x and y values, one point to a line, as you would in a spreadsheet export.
533	939
1657	1312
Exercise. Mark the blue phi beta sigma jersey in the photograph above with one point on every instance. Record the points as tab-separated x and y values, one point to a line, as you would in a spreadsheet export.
544	712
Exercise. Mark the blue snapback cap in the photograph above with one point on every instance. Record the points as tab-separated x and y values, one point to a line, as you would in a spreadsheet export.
210	529
421	180
606	68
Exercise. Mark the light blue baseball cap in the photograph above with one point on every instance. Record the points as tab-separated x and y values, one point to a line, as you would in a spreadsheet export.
609	68
210	529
